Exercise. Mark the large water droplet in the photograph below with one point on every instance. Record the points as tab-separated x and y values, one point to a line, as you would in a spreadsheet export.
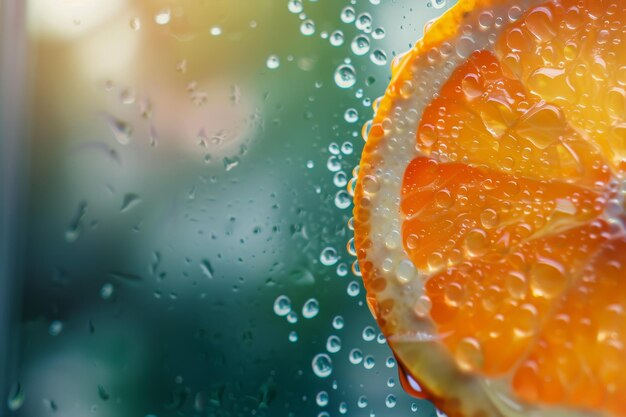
322	365
345	76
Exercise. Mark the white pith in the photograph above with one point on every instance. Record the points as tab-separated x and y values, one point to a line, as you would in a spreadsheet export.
396	149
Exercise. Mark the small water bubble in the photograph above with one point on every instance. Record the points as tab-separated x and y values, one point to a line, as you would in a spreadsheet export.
307	27
378	33
293	336
368	333
322	365
362	401
438	4
351	247
351	115
342	199
340	179
310	164
323	414
216	31
55	328
355	356
390	362
414	407
360	45
390	401
345	76
163	17
391	382
282	305
135	23
329	256
347	148
273	62
292	317
343	407
380	339
16	397
333	344
336	38
347	14
353	289
310	308
378	57
106	292
342	269
295	6
334	163
321	399
369	362
364	22
338	322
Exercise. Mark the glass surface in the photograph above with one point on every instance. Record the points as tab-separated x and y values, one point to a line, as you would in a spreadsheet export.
187	167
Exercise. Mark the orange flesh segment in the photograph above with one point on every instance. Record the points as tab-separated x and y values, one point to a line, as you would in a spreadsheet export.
522	153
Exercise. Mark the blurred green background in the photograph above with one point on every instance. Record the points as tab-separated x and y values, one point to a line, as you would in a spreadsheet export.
188	163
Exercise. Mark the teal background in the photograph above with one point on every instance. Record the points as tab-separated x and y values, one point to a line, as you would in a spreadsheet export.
122	314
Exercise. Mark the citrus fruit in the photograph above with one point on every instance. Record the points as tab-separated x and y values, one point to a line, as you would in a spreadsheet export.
489	211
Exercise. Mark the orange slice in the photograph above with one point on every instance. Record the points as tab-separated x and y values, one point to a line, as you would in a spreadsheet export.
490	222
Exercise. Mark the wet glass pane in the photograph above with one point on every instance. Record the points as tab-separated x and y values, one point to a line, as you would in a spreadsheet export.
179	218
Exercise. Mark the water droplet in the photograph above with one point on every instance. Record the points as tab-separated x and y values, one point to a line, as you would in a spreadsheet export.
273	62
295	6
216	31
55	328
322	365
282	305
121	129
307	27
364	22
322	398
130	200
342	269
340	179
343	407
333	344
293	336
102	393
106	292
336	38
390	401
292	317
469	354
163	17
378	33
310	308
338	322
353	289
329	256
362	401
207	268
378	57
347	14
342	199
16	397
351	115
345	76
135	23
360	45
347	148
369	362
438	4
355	356
368	333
